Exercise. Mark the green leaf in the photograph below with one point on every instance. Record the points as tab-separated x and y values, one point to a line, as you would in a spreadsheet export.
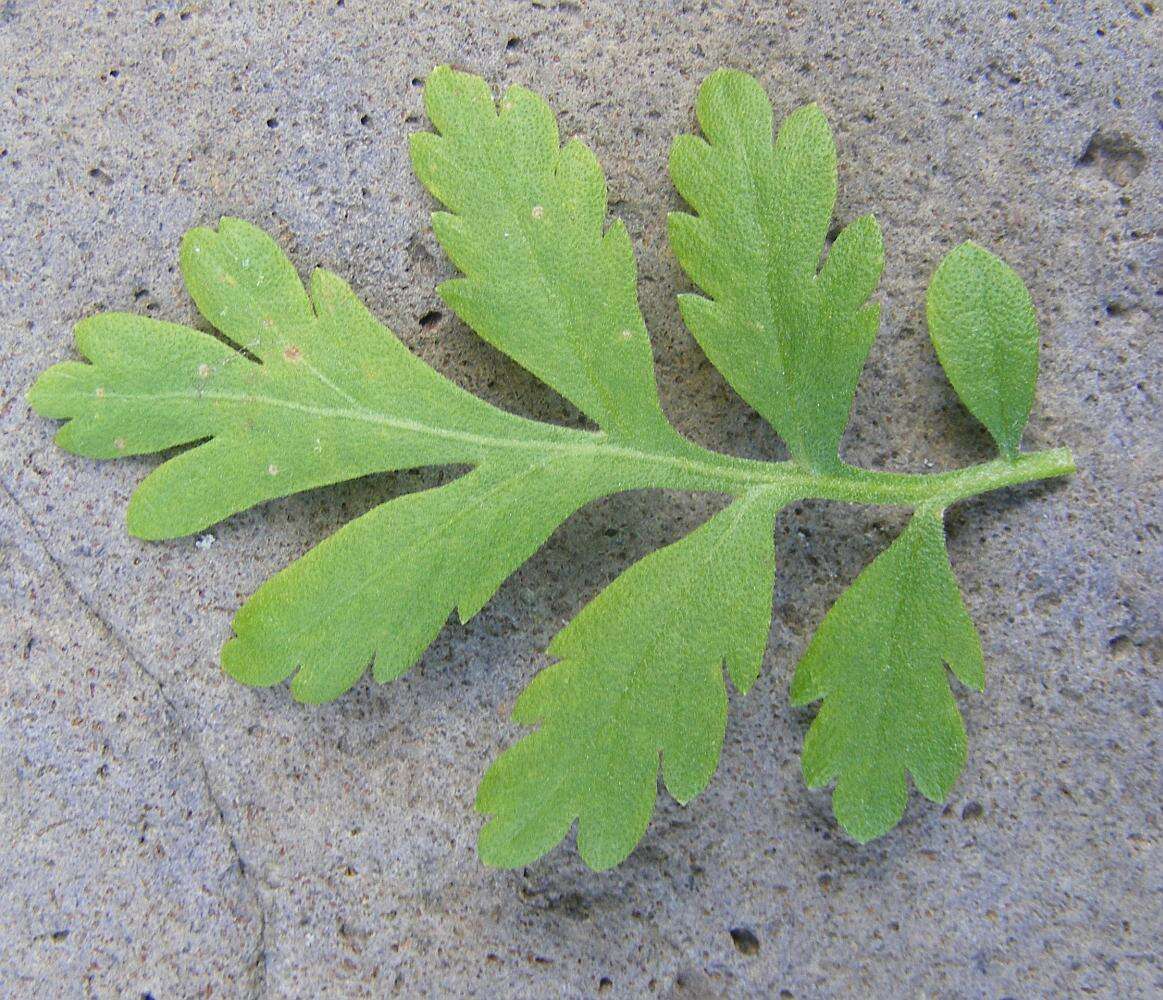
333	395
336	395
983	326
542	283
383	586
302	387
877	662
640	673
791	341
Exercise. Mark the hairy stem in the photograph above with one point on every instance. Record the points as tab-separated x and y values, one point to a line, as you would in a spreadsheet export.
701	470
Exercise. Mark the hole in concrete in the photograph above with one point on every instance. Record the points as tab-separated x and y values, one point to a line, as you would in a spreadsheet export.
746	943
1118	156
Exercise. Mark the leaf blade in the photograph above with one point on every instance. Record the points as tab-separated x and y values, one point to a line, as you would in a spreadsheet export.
542	282
982	323
334	396
877	662
640	673
383	585
791	343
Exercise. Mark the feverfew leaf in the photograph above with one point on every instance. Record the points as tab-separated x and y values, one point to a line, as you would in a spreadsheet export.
542	283
303	387
877	660
640	673
983	326
333	396
790	341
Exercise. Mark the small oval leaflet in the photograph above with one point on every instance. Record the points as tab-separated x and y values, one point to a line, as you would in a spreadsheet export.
982	323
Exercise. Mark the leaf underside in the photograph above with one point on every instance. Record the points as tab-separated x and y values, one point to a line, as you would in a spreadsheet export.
542	281
640	673
789	336
982	323
302	387
877	661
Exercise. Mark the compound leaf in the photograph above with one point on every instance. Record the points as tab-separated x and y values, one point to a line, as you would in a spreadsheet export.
542	282
982	323
640	673
302	387
791	341
877	661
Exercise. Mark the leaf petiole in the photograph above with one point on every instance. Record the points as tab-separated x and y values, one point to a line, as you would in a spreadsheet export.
701	470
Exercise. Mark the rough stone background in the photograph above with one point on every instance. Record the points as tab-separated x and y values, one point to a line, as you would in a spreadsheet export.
165	832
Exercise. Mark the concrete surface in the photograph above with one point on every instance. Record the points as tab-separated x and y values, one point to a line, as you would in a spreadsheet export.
166	833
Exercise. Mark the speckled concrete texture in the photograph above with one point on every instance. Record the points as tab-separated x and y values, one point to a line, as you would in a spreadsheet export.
165	832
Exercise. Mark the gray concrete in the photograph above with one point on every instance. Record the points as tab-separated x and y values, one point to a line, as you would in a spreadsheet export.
164	831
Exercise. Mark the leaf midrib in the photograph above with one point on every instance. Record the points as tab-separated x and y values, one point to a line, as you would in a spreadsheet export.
583	443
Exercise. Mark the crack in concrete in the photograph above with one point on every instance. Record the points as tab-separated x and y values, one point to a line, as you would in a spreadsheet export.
248	877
